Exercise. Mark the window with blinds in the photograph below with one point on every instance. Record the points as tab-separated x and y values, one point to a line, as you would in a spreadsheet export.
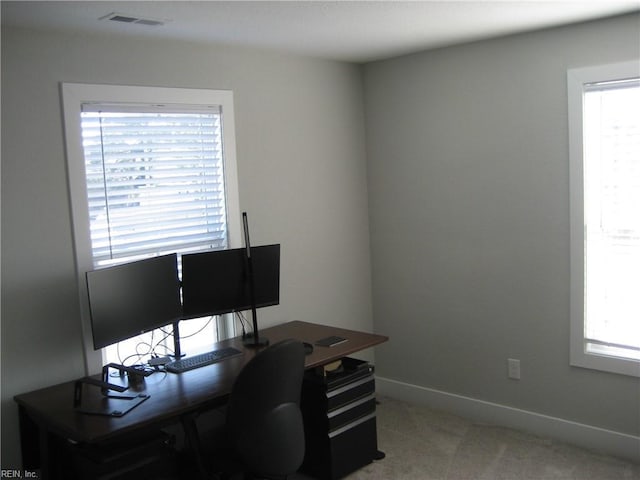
151	170
604	147
155	185
611	122
155	181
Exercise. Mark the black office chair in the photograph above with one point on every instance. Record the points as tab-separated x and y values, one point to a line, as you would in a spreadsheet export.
264	433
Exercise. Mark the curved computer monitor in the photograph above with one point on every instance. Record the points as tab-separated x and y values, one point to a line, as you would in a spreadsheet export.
217	282
129	299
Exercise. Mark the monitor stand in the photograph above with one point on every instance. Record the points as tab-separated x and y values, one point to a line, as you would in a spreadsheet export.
250	341
107	404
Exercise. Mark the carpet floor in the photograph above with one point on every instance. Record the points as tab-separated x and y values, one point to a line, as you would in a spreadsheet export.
424	444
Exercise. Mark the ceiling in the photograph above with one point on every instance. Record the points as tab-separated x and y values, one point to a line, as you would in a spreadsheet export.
354	31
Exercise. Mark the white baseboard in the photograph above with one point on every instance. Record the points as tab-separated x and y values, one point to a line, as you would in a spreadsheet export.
594	438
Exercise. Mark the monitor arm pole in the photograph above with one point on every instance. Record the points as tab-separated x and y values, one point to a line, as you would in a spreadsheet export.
255	340
177	353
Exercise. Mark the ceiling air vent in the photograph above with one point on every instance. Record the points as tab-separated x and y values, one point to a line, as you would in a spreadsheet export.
119	17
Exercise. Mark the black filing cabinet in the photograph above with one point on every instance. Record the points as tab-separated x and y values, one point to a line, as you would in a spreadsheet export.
339	411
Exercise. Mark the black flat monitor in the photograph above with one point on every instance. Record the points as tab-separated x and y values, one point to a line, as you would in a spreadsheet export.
129	299
217	282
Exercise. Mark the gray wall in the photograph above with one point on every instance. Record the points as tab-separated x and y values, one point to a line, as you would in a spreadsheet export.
301	161
469	216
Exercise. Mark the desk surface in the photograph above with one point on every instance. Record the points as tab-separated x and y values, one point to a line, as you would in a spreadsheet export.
172	395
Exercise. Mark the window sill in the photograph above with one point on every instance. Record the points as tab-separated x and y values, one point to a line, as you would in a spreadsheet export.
599	357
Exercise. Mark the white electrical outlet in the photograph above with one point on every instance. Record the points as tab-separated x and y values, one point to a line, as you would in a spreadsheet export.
513	368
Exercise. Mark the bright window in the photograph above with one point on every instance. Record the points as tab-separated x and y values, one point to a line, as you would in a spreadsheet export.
151	171
155	181
604	113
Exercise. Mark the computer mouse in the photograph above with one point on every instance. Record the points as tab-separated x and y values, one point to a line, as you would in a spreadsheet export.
308	348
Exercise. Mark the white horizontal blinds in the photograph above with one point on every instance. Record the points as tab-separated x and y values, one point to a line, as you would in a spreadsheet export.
612	215
155	180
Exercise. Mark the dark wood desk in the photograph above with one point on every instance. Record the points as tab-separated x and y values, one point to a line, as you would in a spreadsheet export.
49	411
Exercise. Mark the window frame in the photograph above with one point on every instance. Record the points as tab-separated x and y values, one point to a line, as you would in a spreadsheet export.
577	78
74	95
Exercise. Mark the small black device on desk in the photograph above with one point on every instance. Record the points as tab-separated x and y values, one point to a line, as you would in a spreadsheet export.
330	341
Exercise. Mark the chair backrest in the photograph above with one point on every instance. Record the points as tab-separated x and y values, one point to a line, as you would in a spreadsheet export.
263	416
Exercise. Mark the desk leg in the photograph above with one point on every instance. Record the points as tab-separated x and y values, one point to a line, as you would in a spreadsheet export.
193	442
34	443
30	441
45	454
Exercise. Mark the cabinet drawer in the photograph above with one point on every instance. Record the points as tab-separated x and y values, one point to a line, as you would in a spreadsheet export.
350	392
351	412
334	456
351	370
